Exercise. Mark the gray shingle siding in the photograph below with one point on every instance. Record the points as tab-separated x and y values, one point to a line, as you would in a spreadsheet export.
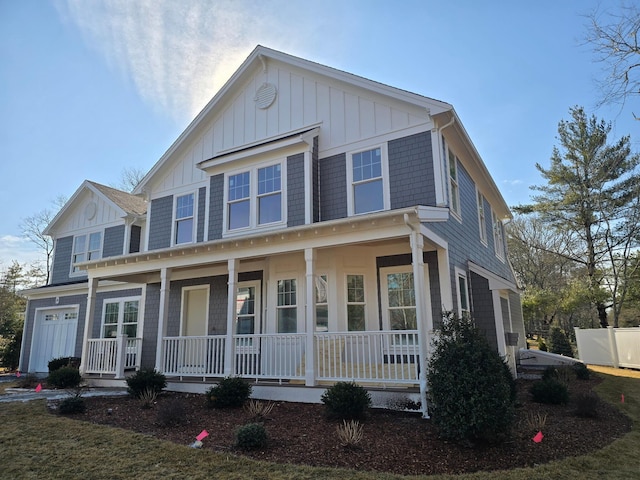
411	178
216	206
62	260
333	187
160	218
150	327
482	307
33	305
295	190
113	241
202	203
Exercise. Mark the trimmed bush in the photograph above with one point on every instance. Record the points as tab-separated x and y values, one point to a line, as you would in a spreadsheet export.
72	405
471	398
251	436
587	405
230	392
581	371
65	377
146	380
57	363
550	391
346	400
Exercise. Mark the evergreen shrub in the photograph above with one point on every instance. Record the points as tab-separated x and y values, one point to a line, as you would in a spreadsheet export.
251	436
65	377
146	380
346	400
230	392
550	391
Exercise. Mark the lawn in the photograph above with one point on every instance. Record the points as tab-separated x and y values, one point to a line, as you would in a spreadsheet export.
36	444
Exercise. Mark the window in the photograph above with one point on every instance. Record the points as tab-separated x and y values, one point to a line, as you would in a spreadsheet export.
355	303
498	236
368	181
401	301
454	189
322	305
463	293
482	220
86	248
120	317
286	309
255	198
184	219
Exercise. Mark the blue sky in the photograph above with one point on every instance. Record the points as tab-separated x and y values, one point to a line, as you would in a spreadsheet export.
88	88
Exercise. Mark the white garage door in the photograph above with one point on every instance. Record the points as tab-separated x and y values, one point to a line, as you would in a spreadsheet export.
54	336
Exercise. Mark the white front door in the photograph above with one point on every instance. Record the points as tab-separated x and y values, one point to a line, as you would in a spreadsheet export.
54	336
195	311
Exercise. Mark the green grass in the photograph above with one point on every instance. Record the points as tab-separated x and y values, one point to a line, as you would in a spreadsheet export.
38	445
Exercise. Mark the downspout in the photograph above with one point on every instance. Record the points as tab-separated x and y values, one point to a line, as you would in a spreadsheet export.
416	253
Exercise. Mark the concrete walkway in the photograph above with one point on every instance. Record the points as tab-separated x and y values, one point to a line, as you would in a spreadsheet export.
28	394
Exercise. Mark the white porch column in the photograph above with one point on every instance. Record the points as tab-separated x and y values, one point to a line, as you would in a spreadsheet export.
310	316
497	314
417	261
232	292
121	352
88	321
163	314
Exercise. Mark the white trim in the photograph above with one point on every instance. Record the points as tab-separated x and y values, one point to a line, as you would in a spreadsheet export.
87	234
257	315
120	321
384	161
462	274
347	274
482	220
37	311
194	217
457	214
495	282
384	293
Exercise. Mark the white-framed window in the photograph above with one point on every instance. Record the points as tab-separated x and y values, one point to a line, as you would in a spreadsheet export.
482	218
184	227
322	303
454	188
85	248
287	306
462	292
356	303
120	316
498	235
398	298
255	198
368	181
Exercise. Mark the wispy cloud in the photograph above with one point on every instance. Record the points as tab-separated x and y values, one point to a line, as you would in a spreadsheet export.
19	249
178	53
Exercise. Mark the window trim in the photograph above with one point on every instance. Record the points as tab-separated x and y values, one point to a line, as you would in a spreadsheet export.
482	217
386	195
175	219
347	303
254	197
499	246
461	274
326	303
384	294
73	271
457	213
294	306
120	323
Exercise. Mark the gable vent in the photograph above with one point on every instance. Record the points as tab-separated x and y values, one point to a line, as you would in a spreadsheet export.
265	95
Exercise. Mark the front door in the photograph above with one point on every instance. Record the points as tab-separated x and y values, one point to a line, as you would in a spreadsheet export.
195	311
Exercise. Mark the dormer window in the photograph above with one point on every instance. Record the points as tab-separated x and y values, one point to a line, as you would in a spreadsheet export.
85	248
184	222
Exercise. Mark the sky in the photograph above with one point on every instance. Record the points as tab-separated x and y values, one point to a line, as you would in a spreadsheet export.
91	88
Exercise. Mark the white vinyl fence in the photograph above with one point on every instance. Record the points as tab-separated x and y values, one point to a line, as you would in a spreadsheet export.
613	347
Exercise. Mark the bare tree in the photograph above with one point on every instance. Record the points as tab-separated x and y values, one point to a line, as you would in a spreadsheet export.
614	37
130	177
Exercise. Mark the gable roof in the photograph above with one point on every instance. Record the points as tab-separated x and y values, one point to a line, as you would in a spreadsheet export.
126	203
258	58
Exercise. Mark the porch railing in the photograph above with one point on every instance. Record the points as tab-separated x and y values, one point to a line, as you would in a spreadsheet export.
113	355
194	356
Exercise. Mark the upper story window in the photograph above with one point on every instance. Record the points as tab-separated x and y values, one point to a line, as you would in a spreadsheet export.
255	198
498	236
368	181
85	248
184	222
454	189
463	294
482	219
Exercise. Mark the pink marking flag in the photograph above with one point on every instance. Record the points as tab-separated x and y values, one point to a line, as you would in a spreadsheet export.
18	374
203	434
538	438
622	398
39	387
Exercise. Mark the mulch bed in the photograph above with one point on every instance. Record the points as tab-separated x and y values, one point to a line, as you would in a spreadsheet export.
395	442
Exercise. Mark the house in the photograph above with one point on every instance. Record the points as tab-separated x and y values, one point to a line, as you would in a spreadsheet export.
309	226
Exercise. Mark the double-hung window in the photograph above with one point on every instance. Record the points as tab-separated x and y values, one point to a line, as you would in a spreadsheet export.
184	223
368	181
120	316
355	303
322	303
498	236
286	309
482	220
86	248
255	198
463	293
454	188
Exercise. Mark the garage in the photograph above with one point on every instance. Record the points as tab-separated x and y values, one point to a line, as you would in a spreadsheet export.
54	336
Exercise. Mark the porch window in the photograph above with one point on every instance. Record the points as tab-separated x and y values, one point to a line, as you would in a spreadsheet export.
322	305
368	180
85	248
454	189
402	301
286	308
463	294
246	310
120	317
482	220
184	219
255	198
498	236
355	303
